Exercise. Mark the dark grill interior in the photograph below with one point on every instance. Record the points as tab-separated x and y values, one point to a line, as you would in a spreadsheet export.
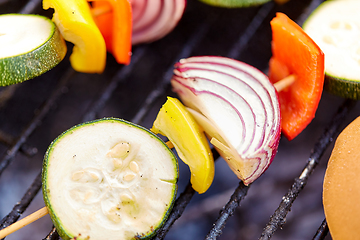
33	113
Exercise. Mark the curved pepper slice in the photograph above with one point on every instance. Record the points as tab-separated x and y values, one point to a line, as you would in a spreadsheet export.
114	19
178	125
75	22
294	52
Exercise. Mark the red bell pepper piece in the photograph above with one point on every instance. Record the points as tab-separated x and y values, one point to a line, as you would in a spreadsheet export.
114	20
294	52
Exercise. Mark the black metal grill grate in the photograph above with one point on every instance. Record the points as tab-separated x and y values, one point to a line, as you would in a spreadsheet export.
33	113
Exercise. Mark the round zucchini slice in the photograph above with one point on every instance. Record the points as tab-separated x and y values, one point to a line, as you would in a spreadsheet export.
335	27
30	45
109	179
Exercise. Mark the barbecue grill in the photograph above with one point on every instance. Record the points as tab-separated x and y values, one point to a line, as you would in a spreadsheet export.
33	113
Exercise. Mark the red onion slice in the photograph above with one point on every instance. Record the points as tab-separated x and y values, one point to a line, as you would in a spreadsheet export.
238	108
153	19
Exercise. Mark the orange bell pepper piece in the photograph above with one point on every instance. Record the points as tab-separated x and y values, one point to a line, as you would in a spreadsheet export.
294	52
114	20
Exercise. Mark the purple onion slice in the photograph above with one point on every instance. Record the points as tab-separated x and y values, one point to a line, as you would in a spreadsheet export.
153	19
238	108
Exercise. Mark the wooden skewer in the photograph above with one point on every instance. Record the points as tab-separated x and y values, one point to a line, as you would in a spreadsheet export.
220	145
23	222
169	144
285	82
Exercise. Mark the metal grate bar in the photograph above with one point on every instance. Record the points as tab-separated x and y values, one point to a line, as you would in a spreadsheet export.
179	207
35	122
10	141
322	231
30	6
250	31
53	235
239	194
6	93
278	218
108	91
312	6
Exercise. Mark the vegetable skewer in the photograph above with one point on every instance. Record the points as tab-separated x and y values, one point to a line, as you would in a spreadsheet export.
43	211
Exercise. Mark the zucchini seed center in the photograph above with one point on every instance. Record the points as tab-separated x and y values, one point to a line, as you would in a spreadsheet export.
108	187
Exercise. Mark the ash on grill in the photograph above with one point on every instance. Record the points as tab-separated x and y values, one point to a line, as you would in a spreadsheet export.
33	113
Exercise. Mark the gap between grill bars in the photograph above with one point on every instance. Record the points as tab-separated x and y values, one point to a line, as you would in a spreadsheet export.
203	210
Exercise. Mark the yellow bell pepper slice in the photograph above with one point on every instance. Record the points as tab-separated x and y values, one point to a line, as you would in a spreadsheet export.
178	125
76	24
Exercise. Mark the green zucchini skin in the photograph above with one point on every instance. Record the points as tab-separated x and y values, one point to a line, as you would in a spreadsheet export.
342	87
234	3
47	193
17	69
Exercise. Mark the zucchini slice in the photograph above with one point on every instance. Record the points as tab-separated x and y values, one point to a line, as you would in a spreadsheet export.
109	179
335	27
235	3
30	45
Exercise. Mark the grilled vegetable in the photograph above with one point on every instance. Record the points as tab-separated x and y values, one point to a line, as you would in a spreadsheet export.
109	179
177	124
153	19
296	54
235	3
76	24
334	26
238	108
341	190
240	3
30	45
114	19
